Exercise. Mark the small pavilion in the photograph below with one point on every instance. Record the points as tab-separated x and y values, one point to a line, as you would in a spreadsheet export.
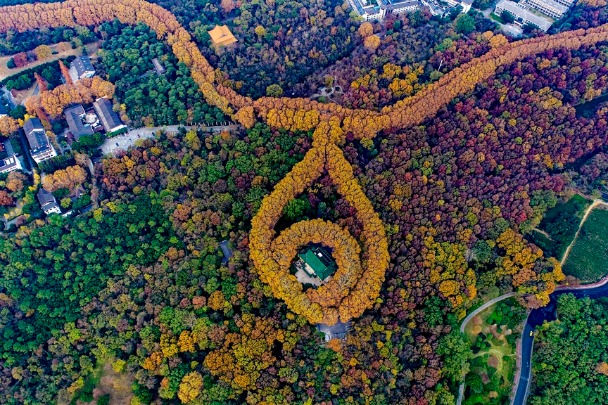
317	263
221	37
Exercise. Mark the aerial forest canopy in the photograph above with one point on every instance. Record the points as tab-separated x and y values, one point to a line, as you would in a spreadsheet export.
420	219
298	114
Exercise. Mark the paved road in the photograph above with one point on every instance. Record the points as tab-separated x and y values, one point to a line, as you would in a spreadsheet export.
484	306
536	318
124	142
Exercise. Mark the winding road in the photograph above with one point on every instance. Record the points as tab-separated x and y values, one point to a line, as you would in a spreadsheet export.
536	318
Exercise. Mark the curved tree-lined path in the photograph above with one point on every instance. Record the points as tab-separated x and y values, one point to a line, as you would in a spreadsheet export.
291	113
298	113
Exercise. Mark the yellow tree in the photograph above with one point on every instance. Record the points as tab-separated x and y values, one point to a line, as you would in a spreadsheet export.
190	387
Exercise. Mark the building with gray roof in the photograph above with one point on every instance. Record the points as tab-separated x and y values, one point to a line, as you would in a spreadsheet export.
47	202
81	68
108	117
76	119
160	69
40	147
522	15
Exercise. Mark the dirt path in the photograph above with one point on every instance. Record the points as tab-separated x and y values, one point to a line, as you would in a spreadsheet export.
6	72
595	204
543	233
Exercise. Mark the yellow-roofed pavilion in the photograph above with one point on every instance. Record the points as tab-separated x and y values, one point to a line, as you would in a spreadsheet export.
221	37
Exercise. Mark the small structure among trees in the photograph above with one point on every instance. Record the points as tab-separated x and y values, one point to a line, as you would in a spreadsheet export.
315	265
221	38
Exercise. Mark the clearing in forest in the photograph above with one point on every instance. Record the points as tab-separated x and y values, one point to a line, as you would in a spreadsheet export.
559	225
492	335
588	259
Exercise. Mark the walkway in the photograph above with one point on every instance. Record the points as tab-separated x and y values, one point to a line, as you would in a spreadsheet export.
595	204
124	142
466	321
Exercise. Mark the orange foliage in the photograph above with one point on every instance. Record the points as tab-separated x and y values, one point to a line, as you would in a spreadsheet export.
83	92
348	293
8	125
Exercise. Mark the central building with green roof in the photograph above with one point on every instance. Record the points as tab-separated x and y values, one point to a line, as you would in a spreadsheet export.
317	262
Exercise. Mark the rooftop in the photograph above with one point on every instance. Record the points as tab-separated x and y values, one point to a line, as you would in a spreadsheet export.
36	137
221	35
552	4
82	64
44	197
518	11
107	116
73	116
160	69
319	261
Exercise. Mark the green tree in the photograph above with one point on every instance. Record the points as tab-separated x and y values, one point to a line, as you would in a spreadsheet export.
274	90
464	24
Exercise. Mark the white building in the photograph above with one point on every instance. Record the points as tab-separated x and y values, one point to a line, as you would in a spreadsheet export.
378	9
80	68
47	202
550	8
522	15
11	162
40	147
465	4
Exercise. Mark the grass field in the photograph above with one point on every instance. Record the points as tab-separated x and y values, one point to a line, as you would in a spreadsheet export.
558	226
588	259
492	335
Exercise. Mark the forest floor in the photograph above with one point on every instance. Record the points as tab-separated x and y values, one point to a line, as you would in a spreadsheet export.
6	72
118	385
587	256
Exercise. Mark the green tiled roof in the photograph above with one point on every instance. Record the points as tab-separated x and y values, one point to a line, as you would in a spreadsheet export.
320	262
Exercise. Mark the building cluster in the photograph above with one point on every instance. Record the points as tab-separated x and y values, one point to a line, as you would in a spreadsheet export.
371	10
540	13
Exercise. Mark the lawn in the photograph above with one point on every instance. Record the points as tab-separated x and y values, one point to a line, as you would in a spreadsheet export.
105	385
588	259
558	227
492	335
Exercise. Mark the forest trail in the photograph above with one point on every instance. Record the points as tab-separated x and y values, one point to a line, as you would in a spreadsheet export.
596	203
543	233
